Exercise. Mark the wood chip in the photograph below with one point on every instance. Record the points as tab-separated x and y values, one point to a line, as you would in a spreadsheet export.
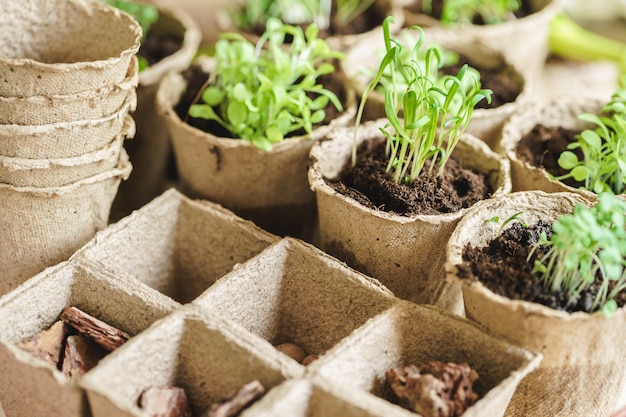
292	350
246	395
81	355
308	359
48	343
103	334
165	402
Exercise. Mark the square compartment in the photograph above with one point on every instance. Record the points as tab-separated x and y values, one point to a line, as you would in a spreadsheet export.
176	245
32	386
416	334
294	292
199	352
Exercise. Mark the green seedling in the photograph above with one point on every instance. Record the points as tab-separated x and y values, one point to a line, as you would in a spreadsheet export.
145	15
603	163
297	12
265	92
496	220
588	243
469	11
436	108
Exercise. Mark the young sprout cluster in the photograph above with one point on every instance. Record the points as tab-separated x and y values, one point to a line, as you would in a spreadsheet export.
435	108
603	163
265	92
297	12
468	11
589	243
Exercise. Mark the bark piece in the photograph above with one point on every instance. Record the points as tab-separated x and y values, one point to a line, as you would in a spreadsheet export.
292	350
246	395
435	390
103	334
81	354
308	359
165	402
48	343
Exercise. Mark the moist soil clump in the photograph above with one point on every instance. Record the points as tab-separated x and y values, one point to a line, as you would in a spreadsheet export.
542	146
437	10
155	47
502	267
369	184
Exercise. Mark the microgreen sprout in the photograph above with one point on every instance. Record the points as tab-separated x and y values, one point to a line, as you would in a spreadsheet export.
265	92
588	243
436	108
496	220
296	12
469	11
144	14
603	163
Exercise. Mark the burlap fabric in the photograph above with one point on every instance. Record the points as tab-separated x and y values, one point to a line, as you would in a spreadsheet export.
43	226
556	112
404	253
64	46
65	139
582	372
150	151
364	57
57	108
523	41
269	188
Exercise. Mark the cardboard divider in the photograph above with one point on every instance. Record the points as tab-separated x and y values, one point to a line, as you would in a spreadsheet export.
416	334
201	353
176	245
33	387
293	292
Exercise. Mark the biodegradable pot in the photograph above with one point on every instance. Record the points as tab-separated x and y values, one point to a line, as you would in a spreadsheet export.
65	139
405	253
59	221
363	59
557	112
34	387
293	292
524	42
57	172
378	10
269	188
582	371
63	46
87	105
150	151
416	334
175	245
204	354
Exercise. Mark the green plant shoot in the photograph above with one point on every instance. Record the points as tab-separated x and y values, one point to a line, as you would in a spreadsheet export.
603	163
298	12
436	108
145	14
496	220
468	11
588	243
265	92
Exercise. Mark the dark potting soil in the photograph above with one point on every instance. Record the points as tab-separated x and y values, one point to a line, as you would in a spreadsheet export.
362	23
437	9
155	47
369	184
196	80
502	267
542	146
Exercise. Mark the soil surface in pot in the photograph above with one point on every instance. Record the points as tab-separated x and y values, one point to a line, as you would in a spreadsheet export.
502	266
155	47
196	79
542	146
362	23
437	9
369	184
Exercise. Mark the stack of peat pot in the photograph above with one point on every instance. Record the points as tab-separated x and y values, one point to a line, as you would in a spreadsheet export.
68	75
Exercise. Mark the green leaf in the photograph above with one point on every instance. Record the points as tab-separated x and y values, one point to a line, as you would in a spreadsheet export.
213	95
274	134
609	308
568	160
203	111
580	173
237	112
